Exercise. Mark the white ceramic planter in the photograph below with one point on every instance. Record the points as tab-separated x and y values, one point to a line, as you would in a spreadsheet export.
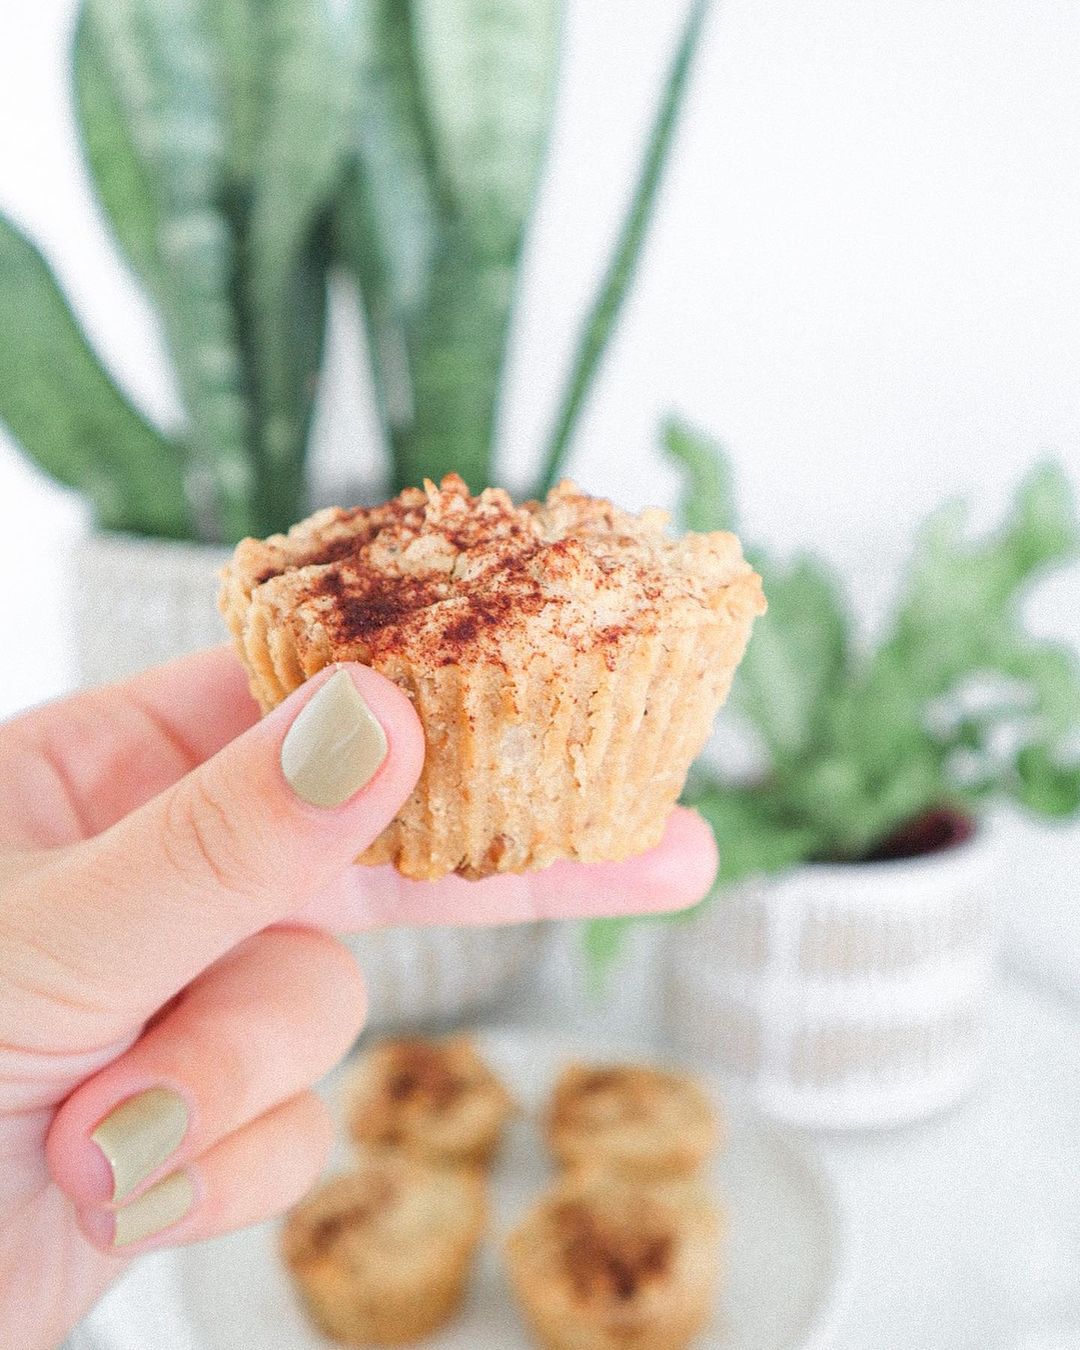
842	996
138	602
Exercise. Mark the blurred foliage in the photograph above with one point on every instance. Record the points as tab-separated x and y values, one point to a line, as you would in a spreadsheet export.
955	707
241	150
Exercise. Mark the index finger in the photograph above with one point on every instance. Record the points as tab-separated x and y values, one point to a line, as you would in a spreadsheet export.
675	874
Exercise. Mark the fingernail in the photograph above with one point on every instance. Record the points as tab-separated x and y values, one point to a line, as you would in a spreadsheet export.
139	1135
335	745
159	1208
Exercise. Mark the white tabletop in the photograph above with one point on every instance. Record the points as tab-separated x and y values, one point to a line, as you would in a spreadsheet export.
967	1228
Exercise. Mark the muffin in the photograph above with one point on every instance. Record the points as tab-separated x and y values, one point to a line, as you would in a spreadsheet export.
435	1100
599	1265
380	1255
630	1120
566	660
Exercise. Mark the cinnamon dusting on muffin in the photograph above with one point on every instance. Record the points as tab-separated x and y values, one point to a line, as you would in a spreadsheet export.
450	576
433	1099
357	1214
419	1071
358	1200
610	1257
612	1092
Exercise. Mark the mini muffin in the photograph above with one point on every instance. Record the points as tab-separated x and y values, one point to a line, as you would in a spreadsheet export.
630	1120
435	1100
601	1265
566	660
380	1255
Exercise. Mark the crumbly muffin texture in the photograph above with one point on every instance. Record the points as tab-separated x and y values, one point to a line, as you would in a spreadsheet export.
630	1120
433	1099
601	1266
566	659
381	1255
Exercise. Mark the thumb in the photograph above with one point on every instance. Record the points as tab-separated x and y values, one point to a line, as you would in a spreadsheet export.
242	842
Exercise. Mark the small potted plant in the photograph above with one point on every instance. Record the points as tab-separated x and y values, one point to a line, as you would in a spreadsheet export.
840	971
244	156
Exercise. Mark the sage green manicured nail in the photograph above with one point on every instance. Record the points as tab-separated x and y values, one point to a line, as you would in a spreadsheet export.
335	745
154	1211
141	1134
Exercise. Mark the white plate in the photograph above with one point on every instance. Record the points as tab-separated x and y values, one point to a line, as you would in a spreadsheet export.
787	1245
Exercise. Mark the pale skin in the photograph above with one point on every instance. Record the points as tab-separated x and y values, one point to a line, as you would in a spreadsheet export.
167	905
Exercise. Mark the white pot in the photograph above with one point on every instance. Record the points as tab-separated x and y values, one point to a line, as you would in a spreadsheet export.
138	602
842	996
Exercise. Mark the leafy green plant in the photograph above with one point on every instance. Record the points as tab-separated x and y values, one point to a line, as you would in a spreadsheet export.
955	707
243	149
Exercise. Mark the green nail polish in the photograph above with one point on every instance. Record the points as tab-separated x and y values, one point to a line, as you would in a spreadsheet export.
159	1208
334	746
139	1135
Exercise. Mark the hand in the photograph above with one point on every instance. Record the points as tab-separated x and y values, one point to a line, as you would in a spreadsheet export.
168	987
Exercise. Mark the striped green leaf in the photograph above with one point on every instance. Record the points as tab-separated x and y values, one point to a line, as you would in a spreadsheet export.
454	345
393	232
453	109
119	177
386	223
298	156
239	51
488	72
68	415
161	61
600	321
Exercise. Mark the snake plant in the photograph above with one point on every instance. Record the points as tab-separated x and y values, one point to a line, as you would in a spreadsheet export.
241	151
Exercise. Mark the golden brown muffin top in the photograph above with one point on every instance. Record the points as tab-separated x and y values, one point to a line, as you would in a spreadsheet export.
447	577
423	1071
604	1096
613	1247
411	1089
345	1206
383	1205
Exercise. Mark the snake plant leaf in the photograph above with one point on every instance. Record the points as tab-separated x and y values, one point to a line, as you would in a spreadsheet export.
118	175
297	161
488	74
437	308
385	222
388	204
615	283
455	344
161	62
239	51
65	411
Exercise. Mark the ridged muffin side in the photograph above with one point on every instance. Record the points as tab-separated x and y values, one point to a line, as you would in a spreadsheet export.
566	660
